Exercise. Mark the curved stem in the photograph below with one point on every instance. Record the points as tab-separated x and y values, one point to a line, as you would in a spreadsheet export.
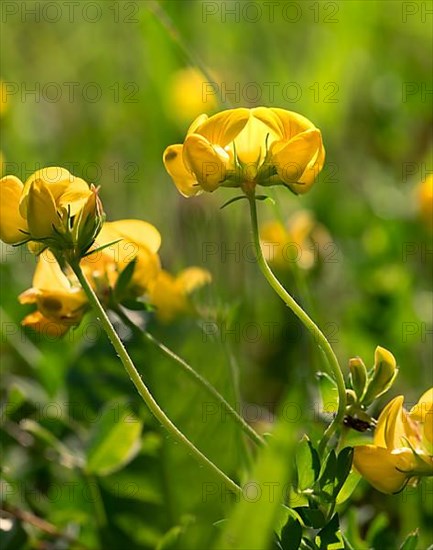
309	324
194	375
141	387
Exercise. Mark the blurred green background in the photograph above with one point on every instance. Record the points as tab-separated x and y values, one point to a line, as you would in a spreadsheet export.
100	88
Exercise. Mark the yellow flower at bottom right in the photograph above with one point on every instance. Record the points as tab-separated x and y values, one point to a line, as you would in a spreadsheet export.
401	452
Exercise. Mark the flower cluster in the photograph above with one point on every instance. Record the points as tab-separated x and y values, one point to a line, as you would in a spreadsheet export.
60	217
244	148
402	450
52	209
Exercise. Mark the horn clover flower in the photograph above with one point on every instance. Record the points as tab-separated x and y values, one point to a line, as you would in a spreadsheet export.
52	209
244	148
402	448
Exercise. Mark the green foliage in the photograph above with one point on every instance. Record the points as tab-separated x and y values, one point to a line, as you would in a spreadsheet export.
102	482
114	440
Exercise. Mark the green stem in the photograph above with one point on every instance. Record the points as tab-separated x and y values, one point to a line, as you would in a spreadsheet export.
194	375
309	324
141	387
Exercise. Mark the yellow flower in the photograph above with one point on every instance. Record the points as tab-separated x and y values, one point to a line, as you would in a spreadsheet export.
128	240
60	304
48	209
169	295
400	450
245	147
190	94
3	98
300	240
423	412
425	201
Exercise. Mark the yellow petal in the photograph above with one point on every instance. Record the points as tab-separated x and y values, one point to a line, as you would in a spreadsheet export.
166	297
201	119
251	142
138	240
295	160
311	172
41	210
55	177
29	296
192	278
65	307
222	128
386	471
183	179
285	124
301	226
136	231
423	407
205	163
74	197
44	326
12	224
390	429
147	268
394	427
423	412
48	275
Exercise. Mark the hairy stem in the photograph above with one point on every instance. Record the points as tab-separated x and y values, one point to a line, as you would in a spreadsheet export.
194	375
141	387
309	324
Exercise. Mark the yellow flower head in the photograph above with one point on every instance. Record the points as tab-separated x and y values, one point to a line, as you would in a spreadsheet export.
422	412
60	304
401	449
247	147
190	94
300	240
169	295
127	240
425	201
53	209
3	98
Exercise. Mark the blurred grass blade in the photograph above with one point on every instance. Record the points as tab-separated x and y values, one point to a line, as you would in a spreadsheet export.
254	517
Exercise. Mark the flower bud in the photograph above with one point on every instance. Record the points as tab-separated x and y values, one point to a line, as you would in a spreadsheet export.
358	376
384	374
88	224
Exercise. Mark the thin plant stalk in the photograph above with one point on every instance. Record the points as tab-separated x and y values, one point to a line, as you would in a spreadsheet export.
309	324
141	387
194	375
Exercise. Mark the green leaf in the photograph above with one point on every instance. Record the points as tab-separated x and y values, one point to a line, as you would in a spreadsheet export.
307	464
344	465
312	517
330	537
115	439
328	392
411	541
348	487
328	476
124	279
265	198
291	535
100	248
231	201
136	305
